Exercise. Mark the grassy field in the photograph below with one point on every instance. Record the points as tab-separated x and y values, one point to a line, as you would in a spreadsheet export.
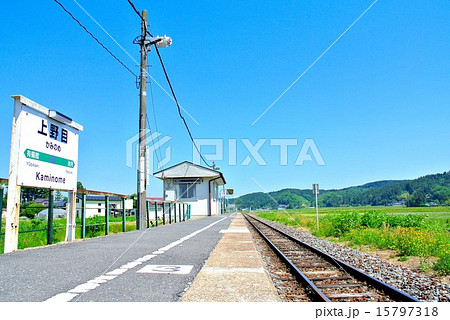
39	238
411	232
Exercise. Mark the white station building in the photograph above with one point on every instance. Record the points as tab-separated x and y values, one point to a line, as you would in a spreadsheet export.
194	184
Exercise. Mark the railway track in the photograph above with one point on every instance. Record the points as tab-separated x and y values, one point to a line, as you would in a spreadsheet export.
324	277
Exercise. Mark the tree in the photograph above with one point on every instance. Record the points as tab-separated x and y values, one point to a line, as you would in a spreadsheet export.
32	209
5	196
58	195
31	194
80	186
417	199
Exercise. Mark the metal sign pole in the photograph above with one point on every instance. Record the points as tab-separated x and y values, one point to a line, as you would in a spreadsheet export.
316	192
317	212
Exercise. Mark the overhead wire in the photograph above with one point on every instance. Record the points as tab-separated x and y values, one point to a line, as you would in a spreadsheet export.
155	120
93	37
139	14
129	70
150	84
171	89
179	108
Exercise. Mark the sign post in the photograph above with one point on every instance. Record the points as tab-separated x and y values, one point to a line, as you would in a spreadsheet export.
44	154
316	192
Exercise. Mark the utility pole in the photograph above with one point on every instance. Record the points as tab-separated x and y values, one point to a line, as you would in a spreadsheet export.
141	218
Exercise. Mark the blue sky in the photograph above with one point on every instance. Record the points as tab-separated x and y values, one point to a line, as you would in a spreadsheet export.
376	104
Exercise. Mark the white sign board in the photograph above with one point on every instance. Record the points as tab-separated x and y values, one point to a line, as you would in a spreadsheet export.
170	195
48	150
315	188
129	204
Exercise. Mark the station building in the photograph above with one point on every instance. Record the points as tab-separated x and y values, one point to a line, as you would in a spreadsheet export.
194	184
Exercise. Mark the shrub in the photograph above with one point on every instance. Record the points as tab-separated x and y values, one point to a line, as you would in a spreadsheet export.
31	210
373	219
407	221
95	226
416	242
442	265
344	222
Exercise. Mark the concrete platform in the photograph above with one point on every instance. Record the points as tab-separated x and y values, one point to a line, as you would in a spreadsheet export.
151	265
234	272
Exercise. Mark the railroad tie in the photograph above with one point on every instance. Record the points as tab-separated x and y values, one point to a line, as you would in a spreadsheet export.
338	285
351	295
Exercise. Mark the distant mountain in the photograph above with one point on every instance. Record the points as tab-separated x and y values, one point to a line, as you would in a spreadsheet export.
432	189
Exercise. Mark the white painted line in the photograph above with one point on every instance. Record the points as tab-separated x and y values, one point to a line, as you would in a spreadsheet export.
131	265
85	287
94	283
253	270
147	257
104	278
116	272
235	230
166	269
62	297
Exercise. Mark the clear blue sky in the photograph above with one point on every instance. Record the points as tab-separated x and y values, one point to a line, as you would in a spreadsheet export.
376	104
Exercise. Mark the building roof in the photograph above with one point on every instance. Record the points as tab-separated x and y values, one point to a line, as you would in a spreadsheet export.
188	169
153	199
100	198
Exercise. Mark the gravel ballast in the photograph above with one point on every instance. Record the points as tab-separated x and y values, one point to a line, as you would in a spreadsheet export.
420	286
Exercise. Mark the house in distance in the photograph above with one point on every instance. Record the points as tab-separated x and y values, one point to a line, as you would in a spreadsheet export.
193	184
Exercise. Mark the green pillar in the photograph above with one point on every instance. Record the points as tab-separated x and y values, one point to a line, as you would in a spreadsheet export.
175	212
179	212
156	213
170	213
136	214
147	209
1	208
164	214
124	216
184	213
83	216
106	215
50	217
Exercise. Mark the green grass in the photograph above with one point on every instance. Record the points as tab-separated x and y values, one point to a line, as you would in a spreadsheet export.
39	238
95	227
421	232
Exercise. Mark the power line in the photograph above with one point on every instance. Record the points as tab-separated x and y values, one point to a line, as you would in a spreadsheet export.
171	89
179	109
154	117
129	70
135	10
139	14
150	128
93	37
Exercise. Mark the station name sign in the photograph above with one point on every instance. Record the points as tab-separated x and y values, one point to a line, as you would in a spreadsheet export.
48	147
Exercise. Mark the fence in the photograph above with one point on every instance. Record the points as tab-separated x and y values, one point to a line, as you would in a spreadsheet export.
158	212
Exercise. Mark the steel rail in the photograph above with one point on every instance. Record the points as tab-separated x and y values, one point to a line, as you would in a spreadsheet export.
311	288
389	290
